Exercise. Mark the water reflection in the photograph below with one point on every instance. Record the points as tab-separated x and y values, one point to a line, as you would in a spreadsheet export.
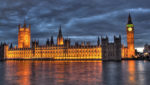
131	71
112	73
74	73
18	72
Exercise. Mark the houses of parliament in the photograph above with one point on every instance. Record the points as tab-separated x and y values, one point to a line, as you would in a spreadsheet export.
63	50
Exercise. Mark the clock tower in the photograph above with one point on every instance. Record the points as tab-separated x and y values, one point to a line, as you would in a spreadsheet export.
130	37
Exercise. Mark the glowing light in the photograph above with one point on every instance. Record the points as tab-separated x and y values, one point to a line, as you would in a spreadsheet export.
130	25
129	29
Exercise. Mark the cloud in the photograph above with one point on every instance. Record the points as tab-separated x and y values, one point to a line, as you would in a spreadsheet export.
79	19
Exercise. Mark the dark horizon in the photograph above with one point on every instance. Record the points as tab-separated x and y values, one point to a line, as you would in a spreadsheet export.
79	19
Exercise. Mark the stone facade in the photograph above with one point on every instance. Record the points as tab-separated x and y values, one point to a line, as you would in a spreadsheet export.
111	51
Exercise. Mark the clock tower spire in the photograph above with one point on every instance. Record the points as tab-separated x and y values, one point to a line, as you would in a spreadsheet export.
129	19
130	37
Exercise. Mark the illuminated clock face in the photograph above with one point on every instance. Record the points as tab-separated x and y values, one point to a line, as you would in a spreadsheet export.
130	29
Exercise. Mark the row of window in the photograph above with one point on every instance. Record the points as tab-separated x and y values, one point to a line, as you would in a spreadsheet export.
11	52
47	56
50	49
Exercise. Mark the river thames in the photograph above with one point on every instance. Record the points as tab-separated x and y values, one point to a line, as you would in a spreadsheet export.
74	73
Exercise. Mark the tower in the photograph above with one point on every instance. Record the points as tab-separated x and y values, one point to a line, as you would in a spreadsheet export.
104	45
130	37
24	36
60	40
117	47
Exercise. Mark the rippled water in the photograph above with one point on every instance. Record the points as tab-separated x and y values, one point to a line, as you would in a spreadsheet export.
74	73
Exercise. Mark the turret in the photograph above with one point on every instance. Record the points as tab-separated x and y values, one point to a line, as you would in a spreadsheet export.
11	46
47	42
104	40
67	42
117	40
35	43
52	41
98	41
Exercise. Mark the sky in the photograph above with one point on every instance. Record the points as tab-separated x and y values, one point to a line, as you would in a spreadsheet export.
81	20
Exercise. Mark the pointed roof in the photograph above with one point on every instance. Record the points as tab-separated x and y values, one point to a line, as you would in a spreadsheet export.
11	45
47	42
129	19
52	41
60	33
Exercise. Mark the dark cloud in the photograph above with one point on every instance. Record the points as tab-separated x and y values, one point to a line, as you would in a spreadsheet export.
84	19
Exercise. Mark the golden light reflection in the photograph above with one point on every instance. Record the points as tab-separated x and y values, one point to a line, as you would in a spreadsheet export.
18	71
53	72
131	70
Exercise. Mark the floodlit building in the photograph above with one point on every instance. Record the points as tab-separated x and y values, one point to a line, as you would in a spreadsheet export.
64	50
24	36
129	51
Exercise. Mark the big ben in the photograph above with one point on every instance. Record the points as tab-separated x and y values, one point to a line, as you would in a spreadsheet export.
130	37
